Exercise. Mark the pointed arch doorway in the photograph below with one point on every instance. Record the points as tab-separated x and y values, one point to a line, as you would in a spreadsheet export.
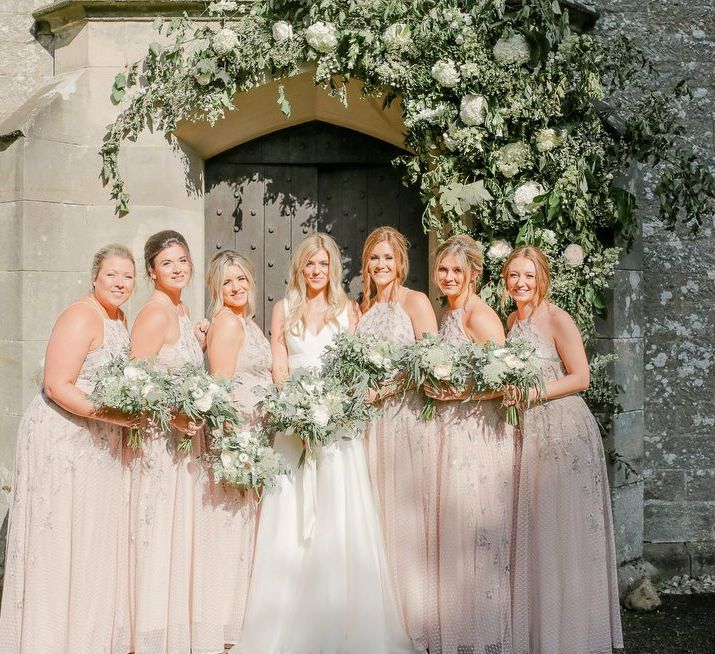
264	196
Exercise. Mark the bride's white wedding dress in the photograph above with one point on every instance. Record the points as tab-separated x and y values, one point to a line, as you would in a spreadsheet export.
320	582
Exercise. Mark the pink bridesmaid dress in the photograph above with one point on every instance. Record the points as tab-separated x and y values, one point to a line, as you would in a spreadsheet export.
401	454
65	573
476	464
565	594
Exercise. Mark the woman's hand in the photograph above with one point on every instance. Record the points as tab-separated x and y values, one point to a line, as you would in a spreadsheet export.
445	392
200	330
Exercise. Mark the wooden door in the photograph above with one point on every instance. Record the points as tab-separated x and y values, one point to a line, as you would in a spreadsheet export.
264	196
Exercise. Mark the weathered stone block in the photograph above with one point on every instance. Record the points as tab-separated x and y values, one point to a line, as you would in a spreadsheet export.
669	559
627	371
631	258
702	558
72	49
700	484
45	296
10	367
624	300
10	235
666	293
107	43
11	302
669	522
628	521
12	161
674	452
626	441
665	485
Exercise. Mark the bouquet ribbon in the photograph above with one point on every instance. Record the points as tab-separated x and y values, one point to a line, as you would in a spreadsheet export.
310	493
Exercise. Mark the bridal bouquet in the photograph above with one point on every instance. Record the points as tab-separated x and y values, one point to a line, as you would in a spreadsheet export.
202	398
360	361
314	407
515	366
133	387
245	459
437	361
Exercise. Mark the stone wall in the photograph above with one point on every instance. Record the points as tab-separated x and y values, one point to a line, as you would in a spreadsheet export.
678	293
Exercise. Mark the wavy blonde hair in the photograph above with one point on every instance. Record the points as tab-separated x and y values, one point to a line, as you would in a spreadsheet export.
399	245
541	265
218	266
466	251
297	295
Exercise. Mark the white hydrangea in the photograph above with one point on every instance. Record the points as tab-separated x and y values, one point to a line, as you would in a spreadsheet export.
282	31
224	41
548	236
322	37
397	36
511	158
473	109
222	6
450	143
499	249
547	139
512	49
573	255
524	198
445	73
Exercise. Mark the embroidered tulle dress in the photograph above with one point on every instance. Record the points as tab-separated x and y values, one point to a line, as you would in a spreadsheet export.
565	595
168	552
476	465
63	589
402	454
229	515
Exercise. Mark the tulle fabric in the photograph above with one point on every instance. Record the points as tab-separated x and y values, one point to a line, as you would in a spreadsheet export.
65	578
565	595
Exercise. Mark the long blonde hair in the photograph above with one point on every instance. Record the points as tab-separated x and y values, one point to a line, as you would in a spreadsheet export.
218	266
541	265
399	245
467	253
297	295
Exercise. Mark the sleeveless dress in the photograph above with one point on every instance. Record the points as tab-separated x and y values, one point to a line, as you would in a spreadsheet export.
475	521
63	588
229	515
402	454
164	543
565	595
320	584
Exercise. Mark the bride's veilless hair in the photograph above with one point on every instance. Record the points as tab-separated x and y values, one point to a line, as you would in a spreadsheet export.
160	241
468	254
399	245
297	296
218	266
111	250
541	265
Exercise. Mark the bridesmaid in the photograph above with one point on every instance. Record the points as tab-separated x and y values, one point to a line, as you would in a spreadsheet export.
63	589
475	477
165	483
400	449
237	350
565	596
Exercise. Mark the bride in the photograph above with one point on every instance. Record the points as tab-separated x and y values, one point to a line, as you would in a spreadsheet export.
320	583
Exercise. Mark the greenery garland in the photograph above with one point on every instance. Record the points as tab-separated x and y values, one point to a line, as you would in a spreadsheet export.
503	104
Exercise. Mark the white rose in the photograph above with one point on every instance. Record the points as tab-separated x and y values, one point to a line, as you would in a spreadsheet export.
282	30
548	236
222	6
376	359
202	78
546	139
243	457
148	390
511	158
322	37
397	36
229	458
493	373
442	371
524	198
513	49
445	73
321	415
224	41
131	372
513	362
205	402
499	249
573	255
473	110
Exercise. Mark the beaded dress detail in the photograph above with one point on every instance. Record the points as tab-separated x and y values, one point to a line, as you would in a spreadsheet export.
565	594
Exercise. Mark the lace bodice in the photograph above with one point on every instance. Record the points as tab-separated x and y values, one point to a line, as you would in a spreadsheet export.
551	365
306	349
389	321
452	325
185	350
115	341
253	367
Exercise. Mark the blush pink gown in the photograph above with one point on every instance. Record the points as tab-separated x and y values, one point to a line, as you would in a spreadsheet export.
565	594
65	577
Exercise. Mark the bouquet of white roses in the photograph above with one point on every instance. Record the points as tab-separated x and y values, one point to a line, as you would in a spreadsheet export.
360	362
316	408
515	365
437	361
202	398
245	459
134	388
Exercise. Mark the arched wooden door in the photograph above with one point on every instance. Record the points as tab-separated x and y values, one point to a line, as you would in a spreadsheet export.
264	196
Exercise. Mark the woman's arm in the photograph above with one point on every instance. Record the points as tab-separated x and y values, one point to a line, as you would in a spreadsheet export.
149	331
279	350
223	343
